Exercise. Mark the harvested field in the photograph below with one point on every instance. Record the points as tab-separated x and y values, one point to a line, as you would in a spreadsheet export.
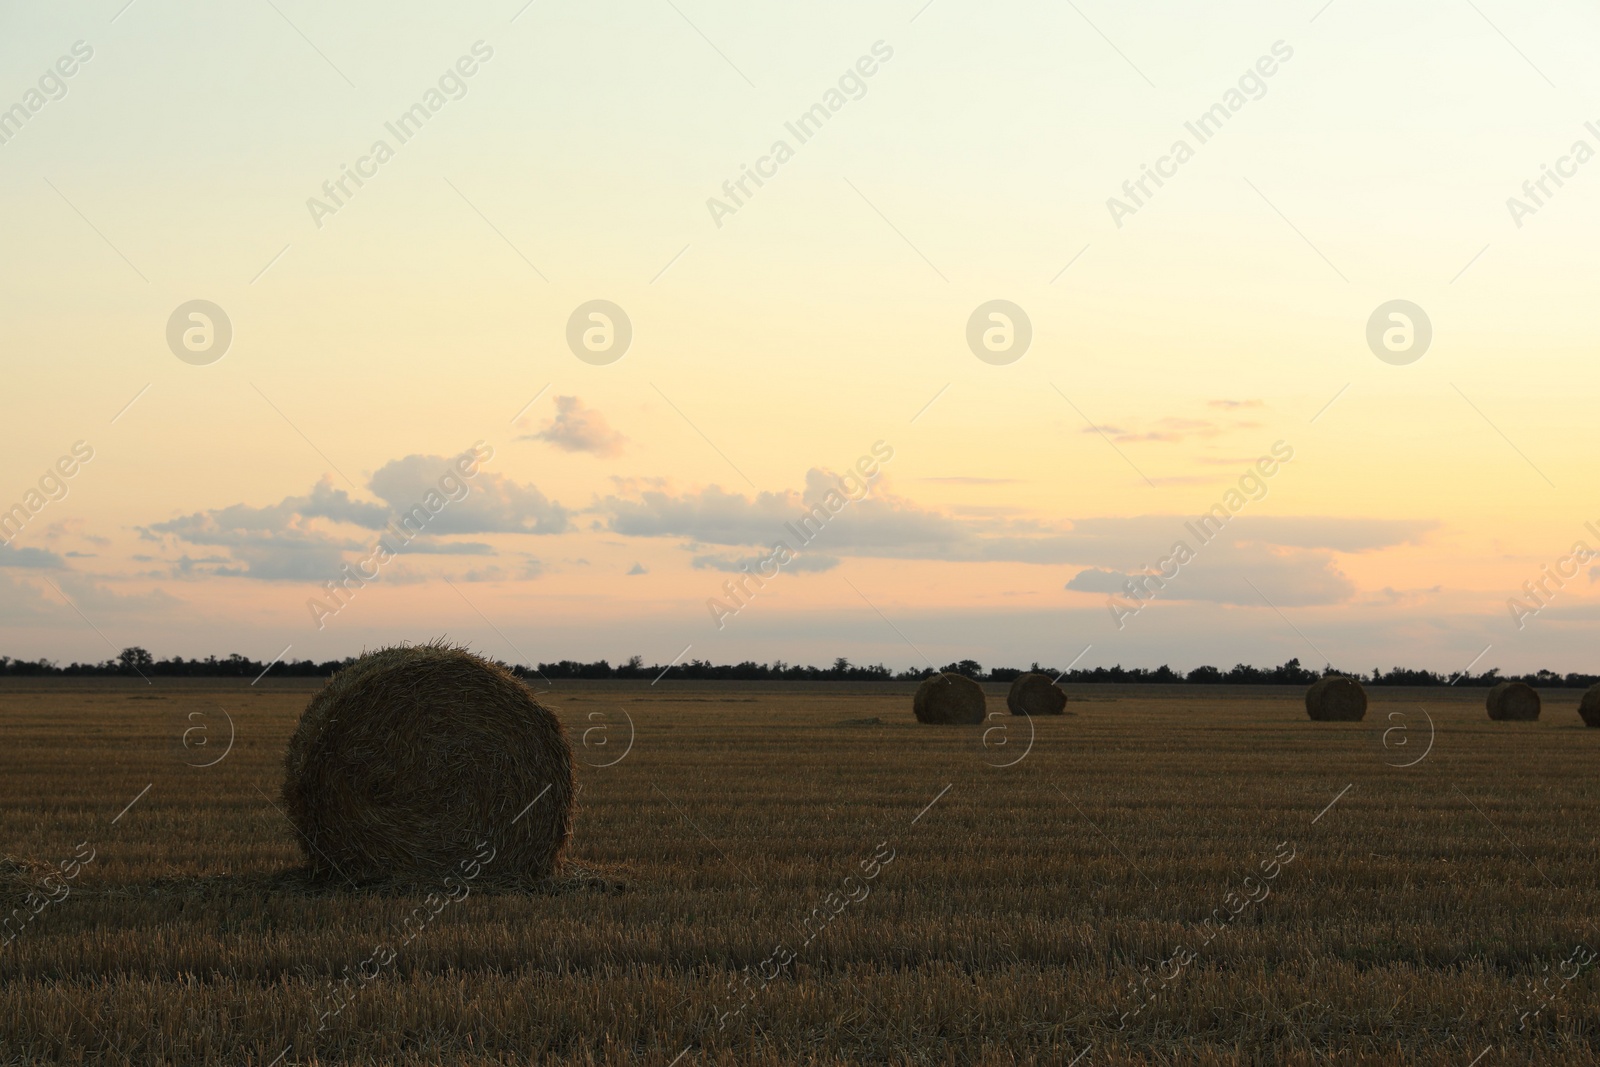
897	895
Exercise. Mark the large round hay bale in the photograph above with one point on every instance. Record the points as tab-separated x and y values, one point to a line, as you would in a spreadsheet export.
410	757
1336	698
949	698
1589	706
1036	694
1513	702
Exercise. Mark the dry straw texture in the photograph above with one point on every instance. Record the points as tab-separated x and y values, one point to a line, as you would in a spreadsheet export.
1589	706
20	879
1336	698
949	698
1513	702
409	758
1008	932
1036	694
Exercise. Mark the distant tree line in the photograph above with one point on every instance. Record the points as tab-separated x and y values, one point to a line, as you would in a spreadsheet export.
138	662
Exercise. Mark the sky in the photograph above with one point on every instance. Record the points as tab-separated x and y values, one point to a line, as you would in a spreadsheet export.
280	274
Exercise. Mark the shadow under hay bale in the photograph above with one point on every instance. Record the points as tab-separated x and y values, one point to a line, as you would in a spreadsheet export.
249	889
417	763
568	877
1589	706
949	699
1513	702
1336	698
1035	694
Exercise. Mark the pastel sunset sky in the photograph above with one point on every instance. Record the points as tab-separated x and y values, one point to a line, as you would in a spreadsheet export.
784	332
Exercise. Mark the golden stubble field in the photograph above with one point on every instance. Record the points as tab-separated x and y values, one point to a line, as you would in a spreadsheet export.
811	877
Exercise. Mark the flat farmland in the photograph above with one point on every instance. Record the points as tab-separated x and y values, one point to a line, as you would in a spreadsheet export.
780	874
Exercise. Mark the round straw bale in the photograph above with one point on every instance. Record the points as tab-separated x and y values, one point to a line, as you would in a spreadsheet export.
410	757
1336	698
949	698
1589	706
1513	702
1036	694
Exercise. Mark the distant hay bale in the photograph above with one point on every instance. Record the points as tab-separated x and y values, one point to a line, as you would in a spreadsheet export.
1336	698
411	756
1513	702
1036	694
949	698
1589	706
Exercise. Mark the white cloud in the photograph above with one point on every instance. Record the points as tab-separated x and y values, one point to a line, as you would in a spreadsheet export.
1098	580
883	525
273	542
576	428
1233	571
496	503
309	537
